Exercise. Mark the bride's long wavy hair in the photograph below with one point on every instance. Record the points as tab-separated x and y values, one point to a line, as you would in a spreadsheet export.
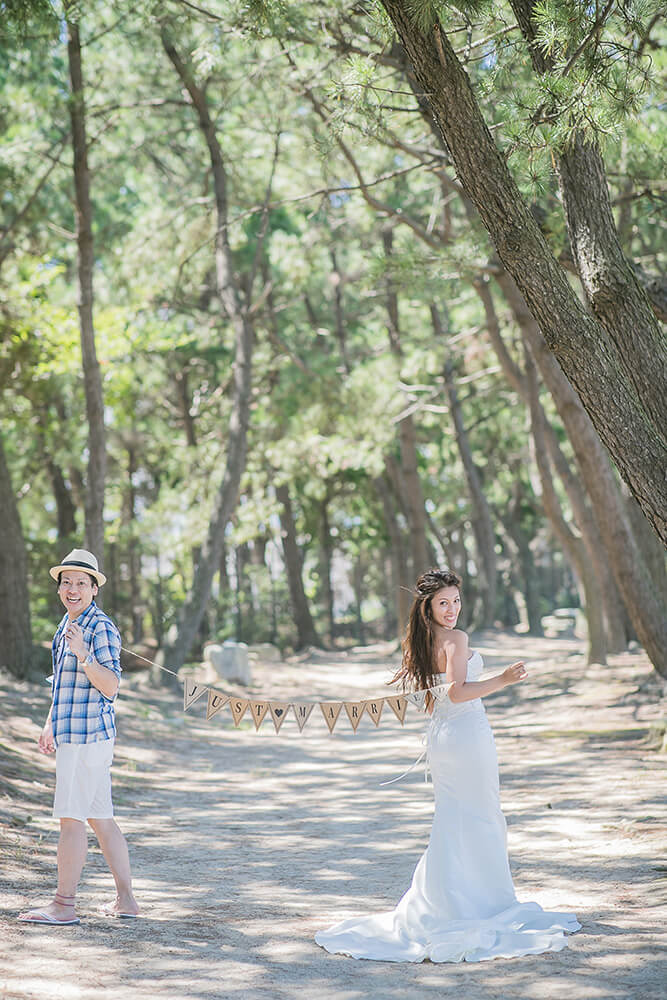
417	667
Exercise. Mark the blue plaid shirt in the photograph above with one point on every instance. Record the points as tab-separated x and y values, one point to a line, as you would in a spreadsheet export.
80	713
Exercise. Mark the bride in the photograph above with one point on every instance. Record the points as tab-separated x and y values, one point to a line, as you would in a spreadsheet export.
461	905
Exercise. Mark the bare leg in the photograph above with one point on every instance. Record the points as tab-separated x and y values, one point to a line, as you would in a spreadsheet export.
114	848
72	850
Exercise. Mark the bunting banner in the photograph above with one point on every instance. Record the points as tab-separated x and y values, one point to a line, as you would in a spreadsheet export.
216	701
278	711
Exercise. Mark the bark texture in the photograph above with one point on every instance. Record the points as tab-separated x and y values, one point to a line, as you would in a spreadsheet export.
229	297
401	577
611	283
94	497
587	354
16	648
593	570
573	546
647	609
306	634
407	435
482	522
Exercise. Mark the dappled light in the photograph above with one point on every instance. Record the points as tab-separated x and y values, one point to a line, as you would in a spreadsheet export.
244	844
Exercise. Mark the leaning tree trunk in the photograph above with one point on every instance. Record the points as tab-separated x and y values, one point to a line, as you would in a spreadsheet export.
615	296
16	650
646	608
231	309
588	355
306	634
94	500
598	563
573	547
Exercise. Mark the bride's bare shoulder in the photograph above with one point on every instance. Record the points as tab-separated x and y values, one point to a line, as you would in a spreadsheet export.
456	638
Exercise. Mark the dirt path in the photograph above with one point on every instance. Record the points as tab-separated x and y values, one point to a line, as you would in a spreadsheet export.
245	843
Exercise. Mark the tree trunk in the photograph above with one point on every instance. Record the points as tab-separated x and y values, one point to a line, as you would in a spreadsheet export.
652	552
485	536
230	304
134	548
572	546
407	434
16	649
65	509
185	403
598	573
358	584
94	502
326	552
647	609
615	296
306	634
588	355
224	589
401	582
337	282
528	571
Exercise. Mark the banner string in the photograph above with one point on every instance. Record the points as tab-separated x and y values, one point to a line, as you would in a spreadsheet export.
151	662
173	673
260	706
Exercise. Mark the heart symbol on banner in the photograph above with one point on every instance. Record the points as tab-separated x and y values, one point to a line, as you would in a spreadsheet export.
278	711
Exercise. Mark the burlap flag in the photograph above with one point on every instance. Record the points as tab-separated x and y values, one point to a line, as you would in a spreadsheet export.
238	707
258	710
302	710
417	698
374	709
216	701
354	709
441	692
398	706
331	711
192	691
279	710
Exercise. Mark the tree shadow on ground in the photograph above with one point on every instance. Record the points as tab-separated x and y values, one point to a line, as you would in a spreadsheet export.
244	844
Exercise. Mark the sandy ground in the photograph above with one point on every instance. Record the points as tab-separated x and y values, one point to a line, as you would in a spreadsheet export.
245	843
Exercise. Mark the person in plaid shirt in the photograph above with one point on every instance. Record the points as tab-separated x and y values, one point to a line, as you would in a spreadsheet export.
81	730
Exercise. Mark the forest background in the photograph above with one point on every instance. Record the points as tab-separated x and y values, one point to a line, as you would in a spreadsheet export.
290	312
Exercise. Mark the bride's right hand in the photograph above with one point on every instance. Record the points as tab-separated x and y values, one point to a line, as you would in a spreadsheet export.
512	675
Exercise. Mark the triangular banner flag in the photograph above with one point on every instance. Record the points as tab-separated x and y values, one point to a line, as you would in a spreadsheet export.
302	710
417	698
238	707
279	710
331	710
398	706
374	709
441	692
216	701
192	691
258	710
354	709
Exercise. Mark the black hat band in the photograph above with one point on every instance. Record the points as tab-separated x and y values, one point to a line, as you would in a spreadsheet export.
82	565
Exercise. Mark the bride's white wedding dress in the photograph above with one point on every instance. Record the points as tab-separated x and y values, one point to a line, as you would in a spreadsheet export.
461	905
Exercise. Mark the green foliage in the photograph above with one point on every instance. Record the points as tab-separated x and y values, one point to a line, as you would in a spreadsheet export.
19	17
328	389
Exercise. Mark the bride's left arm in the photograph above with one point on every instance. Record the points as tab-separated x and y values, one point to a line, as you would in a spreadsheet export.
455	650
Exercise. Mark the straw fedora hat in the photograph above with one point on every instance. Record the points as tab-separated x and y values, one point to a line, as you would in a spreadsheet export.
79	559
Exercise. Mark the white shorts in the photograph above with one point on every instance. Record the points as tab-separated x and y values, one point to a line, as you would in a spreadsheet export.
83	781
